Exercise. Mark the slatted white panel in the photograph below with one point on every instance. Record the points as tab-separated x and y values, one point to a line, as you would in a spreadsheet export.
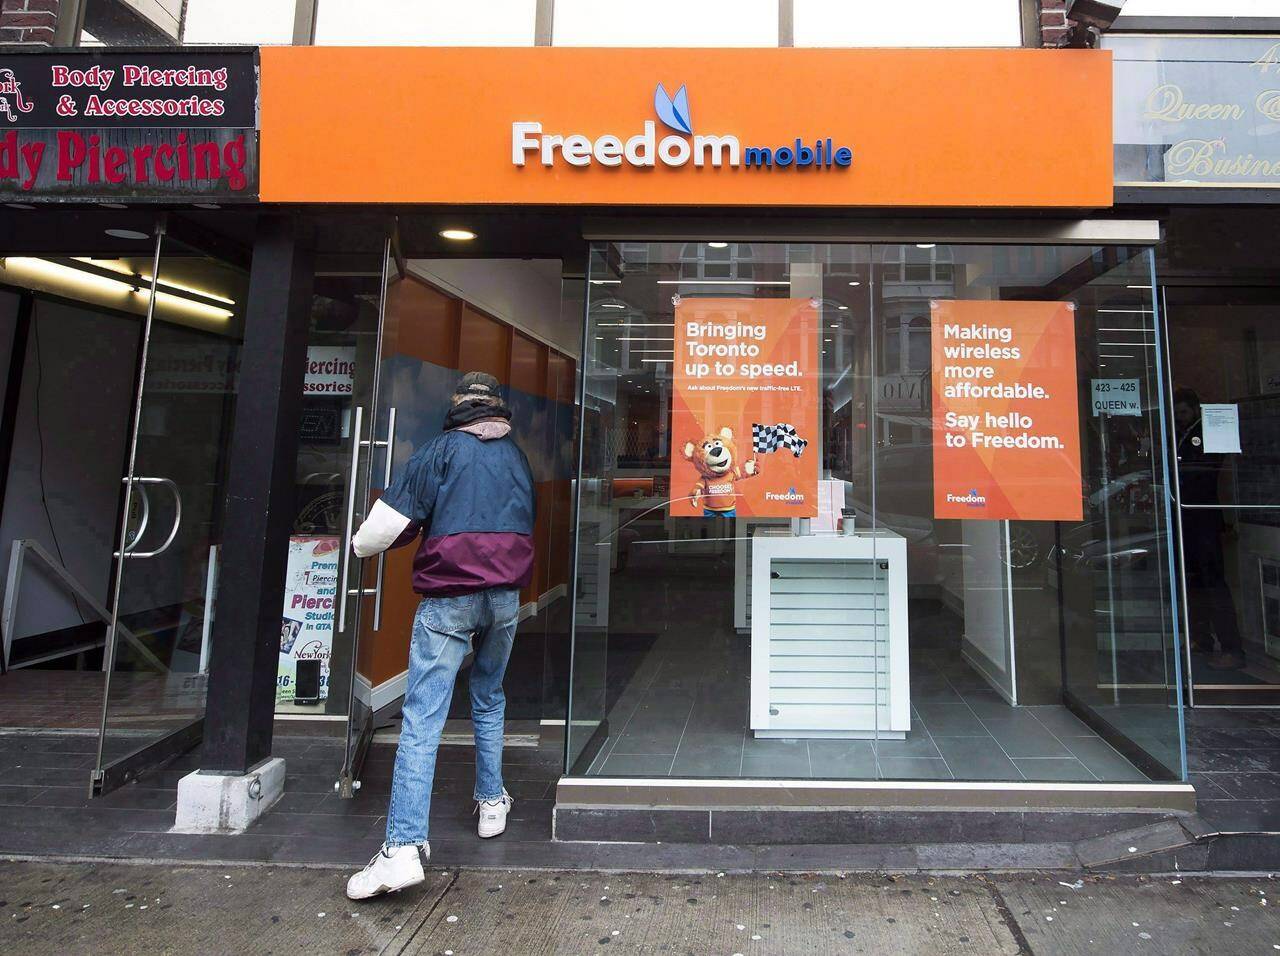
593	575
848	600
829	652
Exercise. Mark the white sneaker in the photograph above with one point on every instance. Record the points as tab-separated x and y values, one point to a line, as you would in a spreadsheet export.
391	869
493	815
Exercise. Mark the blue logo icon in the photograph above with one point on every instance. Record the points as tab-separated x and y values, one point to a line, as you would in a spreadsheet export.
673	110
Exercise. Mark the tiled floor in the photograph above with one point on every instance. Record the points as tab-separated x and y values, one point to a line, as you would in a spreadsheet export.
684	713
46	805
56	699
1234	761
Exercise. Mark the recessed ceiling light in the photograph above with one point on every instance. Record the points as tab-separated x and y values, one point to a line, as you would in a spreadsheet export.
126	234
843	308
718	245
855	282
925	245
835	325
457	235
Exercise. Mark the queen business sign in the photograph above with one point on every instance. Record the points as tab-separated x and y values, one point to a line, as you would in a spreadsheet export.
1197	110
682	147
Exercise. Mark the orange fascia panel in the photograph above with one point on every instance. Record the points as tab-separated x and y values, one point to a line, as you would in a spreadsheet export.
924	128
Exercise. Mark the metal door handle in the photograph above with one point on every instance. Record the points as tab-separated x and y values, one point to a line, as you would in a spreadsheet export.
146	512
142	525
352	482
390	444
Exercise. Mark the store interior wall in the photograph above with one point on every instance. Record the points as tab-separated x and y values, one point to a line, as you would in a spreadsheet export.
68	448
524	293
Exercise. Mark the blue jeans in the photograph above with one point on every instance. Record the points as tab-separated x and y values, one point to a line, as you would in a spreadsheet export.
442	634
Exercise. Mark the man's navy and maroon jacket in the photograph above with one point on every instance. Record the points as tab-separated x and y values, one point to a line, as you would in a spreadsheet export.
469	494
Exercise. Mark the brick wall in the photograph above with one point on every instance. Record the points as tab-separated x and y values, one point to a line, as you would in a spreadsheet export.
1053	22
28	21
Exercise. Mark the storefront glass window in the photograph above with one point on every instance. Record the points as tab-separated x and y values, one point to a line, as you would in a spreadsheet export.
1218	302
828	23
873	512
1196	110
666	23
425	23
162	23
239	21
1199	8
341	355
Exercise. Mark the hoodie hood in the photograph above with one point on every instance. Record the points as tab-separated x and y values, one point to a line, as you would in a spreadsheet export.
470	411
487	429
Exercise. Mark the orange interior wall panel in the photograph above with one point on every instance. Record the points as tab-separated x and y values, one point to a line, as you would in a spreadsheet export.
422	322
484	345
528	365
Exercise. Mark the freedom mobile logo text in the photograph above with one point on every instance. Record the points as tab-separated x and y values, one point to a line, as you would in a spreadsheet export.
681	148
972	499
789	497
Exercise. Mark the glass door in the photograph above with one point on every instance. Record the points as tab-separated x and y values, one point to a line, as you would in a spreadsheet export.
425	338
359	581
166	558
1224	381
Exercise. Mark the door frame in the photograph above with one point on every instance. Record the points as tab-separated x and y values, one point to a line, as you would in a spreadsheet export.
106	777
1207	692
358	738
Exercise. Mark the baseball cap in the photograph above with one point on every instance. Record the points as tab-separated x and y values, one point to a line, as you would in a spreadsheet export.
478	385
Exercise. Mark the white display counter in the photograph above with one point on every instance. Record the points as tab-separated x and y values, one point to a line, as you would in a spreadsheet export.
829	635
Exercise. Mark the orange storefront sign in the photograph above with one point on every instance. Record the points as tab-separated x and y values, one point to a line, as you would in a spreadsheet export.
744	409
775	127
1006	411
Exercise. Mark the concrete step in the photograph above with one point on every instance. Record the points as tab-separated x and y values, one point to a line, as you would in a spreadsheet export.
1108	848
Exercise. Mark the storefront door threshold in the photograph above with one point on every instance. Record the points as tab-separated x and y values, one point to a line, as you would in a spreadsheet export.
666	793
744	812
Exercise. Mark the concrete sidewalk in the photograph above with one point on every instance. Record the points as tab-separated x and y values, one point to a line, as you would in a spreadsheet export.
139	908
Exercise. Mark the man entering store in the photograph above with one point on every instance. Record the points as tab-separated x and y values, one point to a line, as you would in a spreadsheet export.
468	494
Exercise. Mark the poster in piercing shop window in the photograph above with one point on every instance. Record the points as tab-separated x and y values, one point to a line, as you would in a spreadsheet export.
306	629
745	403
1006	411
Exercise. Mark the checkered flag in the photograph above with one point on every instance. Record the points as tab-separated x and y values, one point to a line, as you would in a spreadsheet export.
767	438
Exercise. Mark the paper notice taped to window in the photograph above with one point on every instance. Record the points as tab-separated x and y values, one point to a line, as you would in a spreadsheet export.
1220	425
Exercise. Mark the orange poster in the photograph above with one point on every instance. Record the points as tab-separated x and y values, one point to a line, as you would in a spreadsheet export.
1006	420
744	415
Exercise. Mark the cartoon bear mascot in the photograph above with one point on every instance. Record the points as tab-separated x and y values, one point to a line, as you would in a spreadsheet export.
717	462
